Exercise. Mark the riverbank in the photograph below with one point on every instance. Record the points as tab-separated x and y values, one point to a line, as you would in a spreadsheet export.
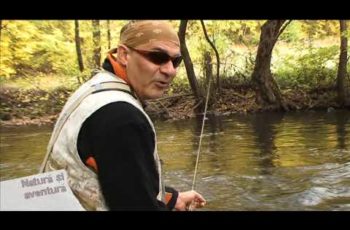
39	107
241	99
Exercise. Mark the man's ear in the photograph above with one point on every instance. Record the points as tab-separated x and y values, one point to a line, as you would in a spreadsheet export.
122	55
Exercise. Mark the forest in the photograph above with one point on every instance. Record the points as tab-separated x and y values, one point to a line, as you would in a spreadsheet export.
247	65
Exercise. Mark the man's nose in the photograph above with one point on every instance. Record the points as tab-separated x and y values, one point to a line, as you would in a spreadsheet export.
168	68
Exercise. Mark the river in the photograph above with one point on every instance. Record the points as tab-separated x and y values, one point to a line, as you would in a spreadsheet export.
265	161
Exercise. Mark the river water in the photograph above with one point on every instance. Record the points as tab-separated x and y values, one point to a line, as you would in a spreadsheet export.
265	161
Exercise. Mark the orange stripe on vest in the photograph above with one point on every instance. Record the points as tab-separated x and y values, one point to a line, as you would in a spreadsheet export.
118	69
168	197
92	163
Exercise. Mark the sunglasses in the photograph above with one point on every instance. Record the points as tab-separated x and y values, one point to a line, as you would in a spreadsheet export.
158	57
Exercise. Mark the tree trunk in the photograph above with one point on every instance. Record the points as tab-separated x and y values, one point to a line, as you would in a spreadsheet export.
96	37
218	84
77	46
267	90
189	66
108	35
208	70
342	72
0	29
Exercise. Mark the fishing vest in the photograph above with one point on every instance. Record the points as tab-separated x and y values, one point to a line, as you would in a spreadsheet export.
62	151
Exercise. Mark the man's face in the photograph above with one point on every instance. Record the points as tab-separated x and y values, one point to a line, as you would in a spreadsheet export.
150	79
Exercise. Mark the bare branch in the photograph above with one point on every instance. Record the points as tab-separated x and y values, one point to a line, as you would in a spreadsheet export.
283	28
216	53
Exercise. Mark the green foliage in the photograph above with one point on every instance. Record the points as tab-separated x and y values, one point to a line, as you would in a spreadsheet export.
319	29
293	32
233	40
33	47
44	48
14	47
314	68
39	67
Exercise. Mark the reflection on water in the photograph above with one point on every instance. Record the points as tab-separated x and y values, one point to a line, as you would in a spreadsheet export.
21	150
268	161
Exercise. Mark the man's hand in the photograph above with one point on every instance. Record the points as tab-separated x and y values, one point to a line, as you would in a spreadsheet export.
189	201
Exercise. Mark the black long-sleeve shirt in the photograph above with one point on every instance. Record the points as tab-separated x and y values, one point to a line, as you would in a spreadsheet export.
121	140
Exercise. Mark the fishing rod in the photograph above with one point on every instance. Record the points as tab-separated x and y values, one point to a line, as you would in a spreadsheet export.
205	108
190	208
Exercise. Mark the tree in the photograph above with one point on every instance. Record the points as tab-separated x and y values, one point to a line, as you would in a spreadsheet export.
0	29
218	85
189	66
208	73
77	45
267	90
96	37
342	72
108	35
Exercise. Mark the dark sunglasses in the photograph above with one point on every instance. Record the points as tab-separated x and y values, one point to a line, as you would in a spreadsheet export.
159	57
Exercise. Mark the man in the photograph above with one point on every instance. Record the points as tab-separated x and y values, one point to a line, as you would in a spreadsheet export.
103	137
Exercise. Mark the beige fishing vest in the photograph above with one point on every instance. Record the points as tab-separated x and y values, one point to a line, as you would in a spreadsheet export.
62	152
